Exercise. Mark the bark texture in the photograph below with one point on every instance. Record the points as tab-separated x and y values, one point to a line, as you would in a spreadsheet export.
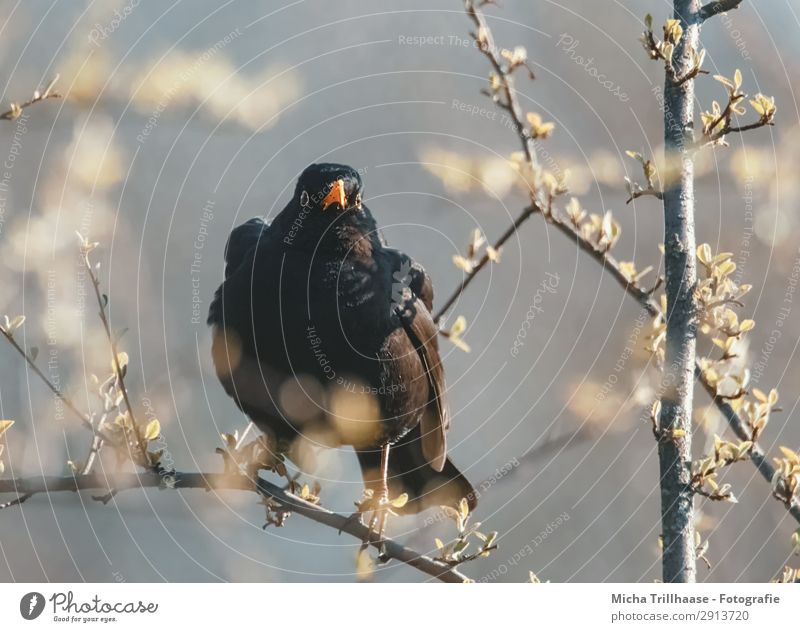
675	446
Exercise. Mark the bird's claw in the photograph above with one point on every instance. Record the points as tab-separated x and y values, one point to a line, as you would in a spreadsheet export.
377	508
376	528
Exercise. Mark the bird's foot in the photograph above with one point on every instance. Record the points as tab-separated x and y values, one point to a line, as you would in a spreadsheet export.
377	509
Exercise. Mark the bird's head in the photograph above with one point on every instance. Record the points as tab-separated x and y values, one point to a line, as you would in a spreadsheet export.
329	188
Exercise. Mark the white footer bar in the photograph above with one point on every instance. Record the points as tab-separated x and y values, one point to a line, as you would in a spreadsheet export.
390	607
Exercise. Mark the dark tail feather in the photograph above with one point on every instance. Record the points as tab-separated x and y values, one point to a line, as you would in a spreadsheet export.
410	473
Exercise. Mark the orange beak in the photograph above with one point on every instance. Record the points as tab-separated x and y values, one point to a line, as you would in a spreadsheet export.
335	196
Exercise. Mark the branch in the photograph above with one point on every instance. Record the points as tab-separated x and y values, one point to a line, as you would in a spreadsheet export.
757	454
483	37
485	41
102	300
16	108
635	195
719	6
729	129
510	231
53	388
645	299
27	487
680	273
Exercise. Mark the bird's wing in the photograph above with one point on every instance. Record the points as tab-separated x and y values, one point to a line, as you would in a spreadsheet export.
241	242
423	333
415	315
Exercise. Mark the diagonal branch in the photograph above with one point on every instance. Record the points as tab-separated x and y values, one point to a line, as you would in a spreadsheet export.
510	231
27	487
716	7
757	454
53	388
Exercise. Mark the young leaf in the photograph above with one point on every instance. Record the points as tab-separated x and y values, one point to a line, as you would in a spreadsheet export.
153	430
5	424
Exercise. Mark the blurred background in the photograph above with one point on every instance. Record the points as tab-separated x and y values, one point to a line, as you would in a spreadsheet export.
183	119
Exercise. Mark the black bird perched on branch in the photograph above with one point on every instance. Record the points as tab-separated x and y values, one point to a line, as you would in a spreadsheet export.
323	335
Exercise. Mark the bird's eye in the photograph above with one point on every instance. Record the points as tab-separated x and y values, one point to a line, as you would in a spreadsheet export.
358	202
304	198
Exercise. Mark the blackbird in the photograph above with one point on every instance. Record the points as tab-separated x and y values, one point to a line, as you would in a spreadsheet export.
323	336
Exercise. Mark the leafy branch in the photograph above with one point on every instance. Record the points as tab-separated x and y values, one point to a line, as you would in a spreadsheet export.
636	190
717	122
596	237
455	552
287	501
501	83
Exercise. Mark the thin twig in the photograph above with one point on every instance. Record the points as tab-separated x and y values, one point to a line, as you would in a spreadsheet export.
483	37
17	501
729	129
644	192
85	420
101	302
94	451
121	482
526	213
55	390
16	108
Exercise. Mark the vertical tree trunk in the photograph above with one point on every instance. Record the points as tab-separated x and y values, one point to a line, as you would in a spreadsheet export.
675	448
